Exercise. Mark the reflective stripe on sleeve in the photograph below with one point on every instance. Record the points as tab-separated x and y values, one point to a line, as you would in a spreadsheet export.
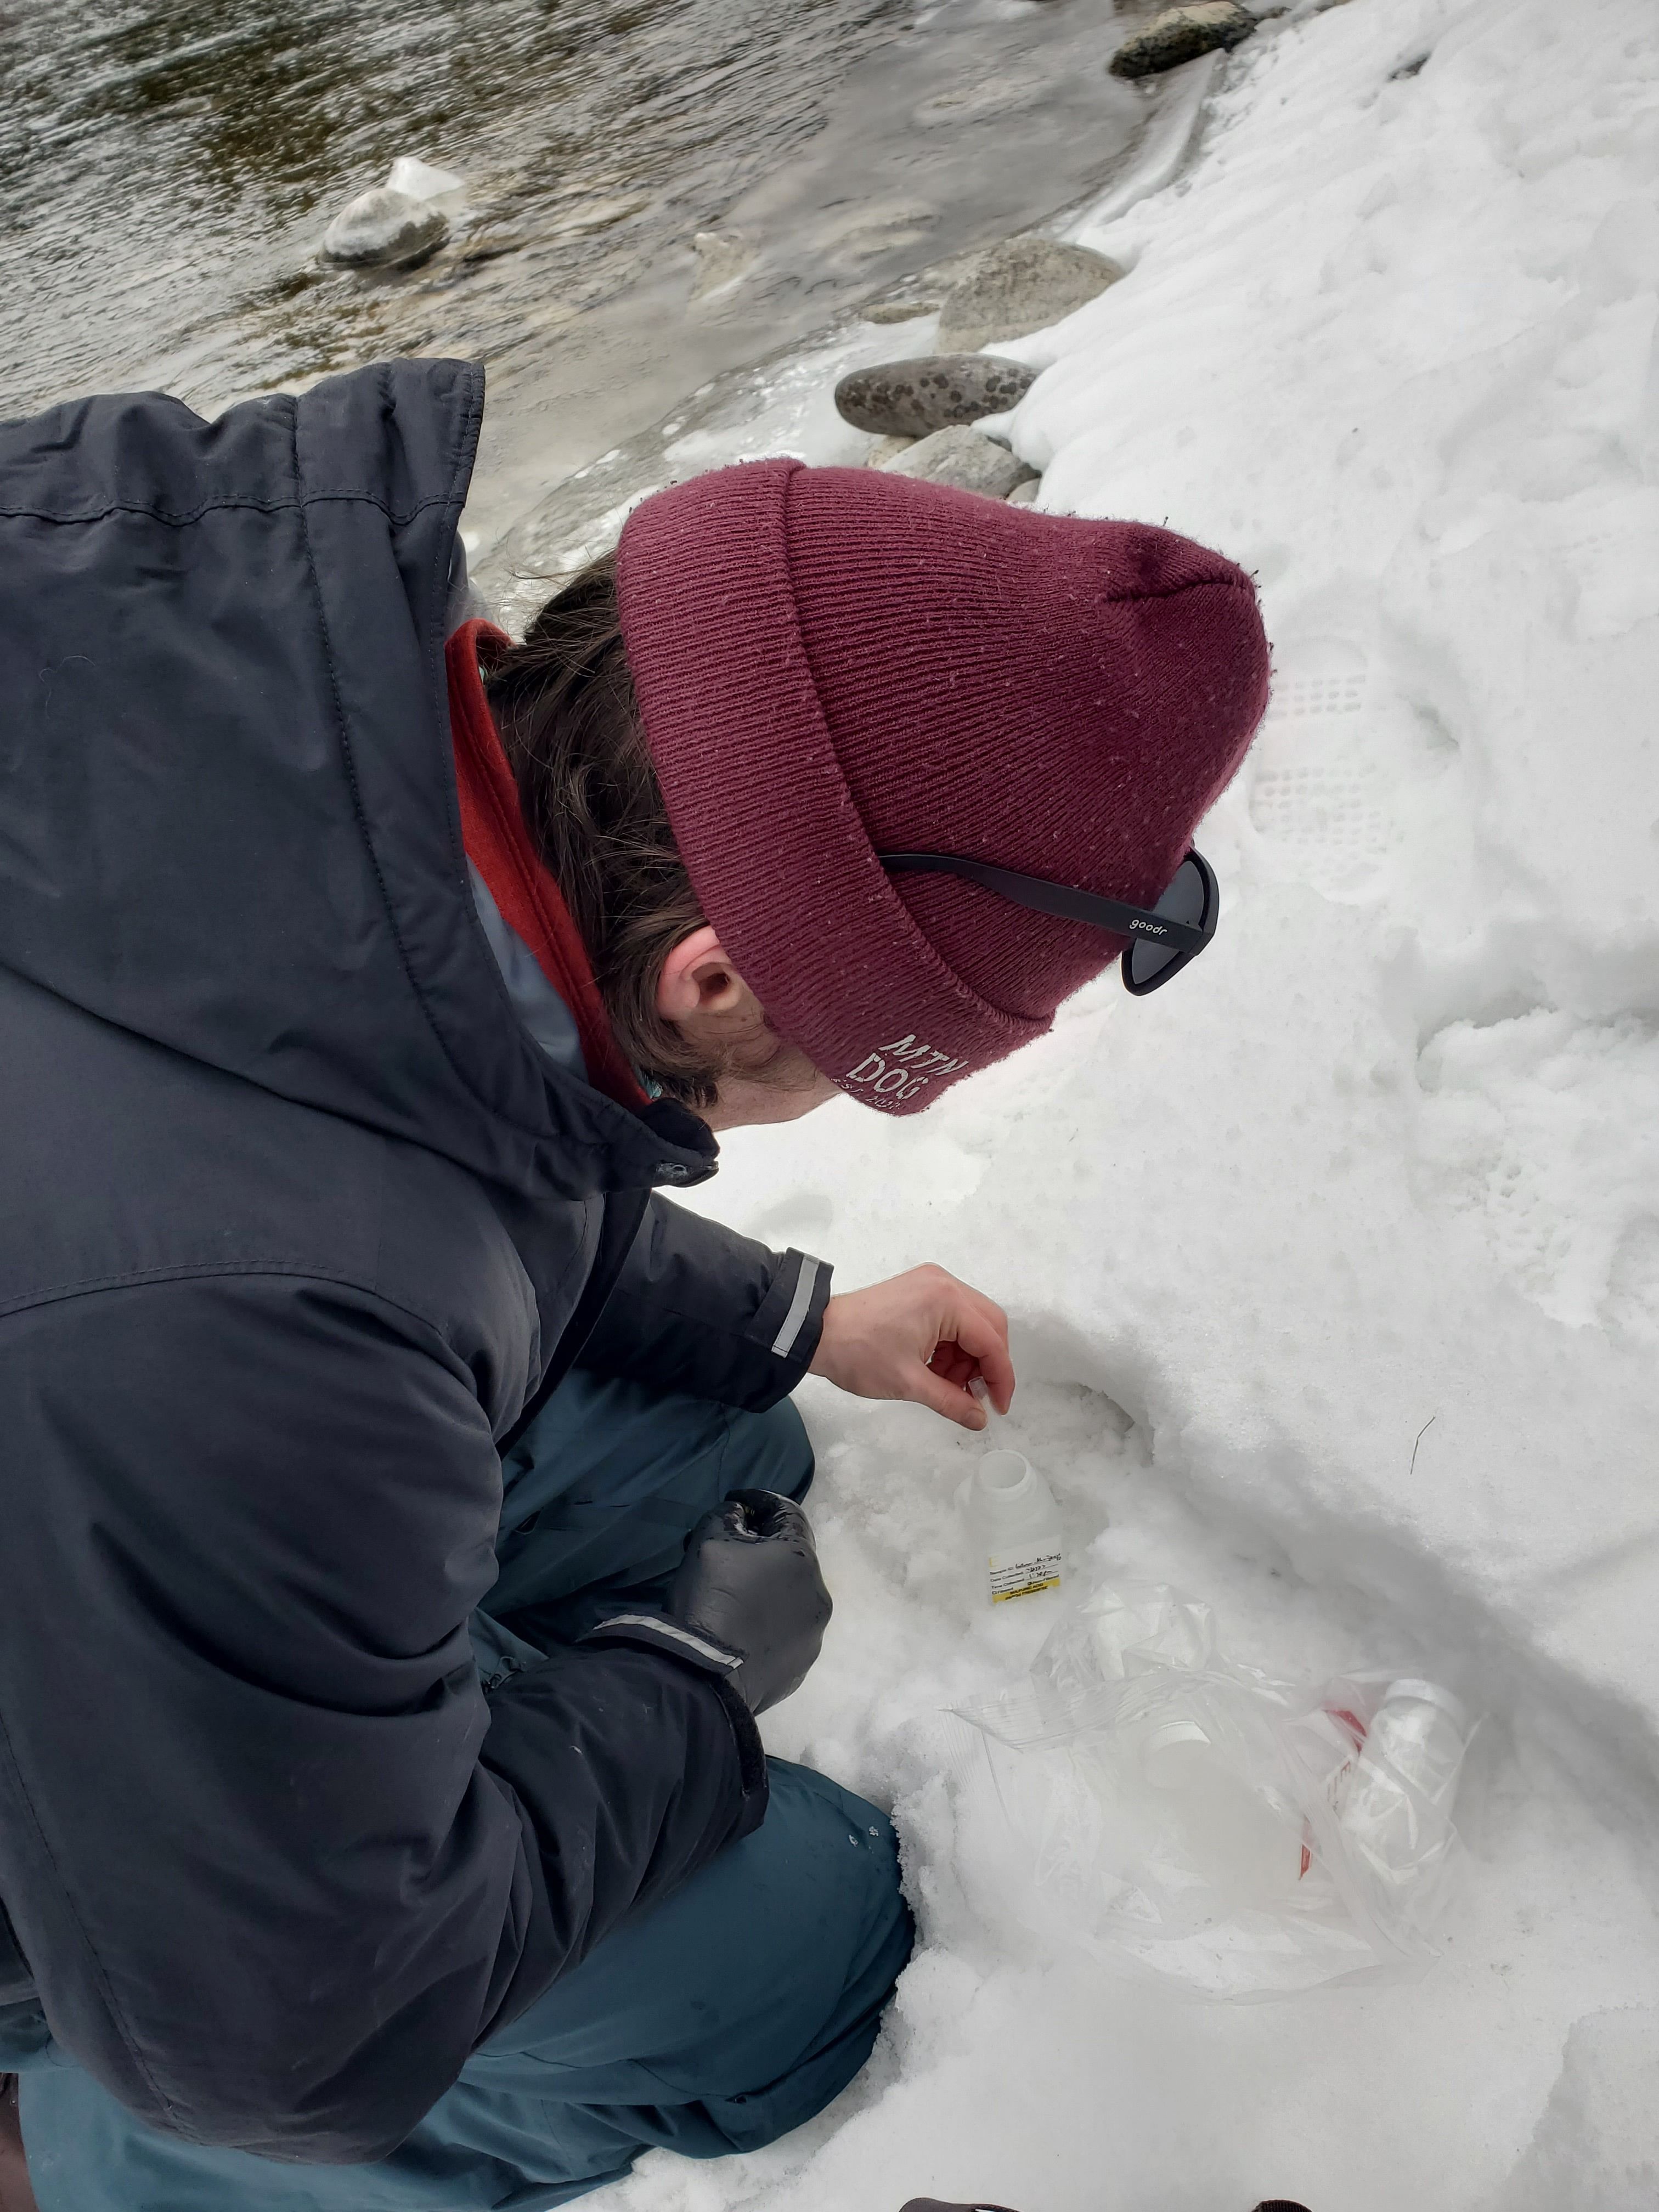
673	1632
784	1343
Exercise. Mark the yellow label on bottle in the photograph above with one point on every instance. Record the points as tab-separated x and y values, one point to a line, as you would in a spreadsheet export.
1018	1577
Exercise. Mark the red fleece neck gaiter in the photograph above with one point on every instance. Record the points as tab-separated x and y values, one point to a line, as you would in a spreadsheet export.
498	845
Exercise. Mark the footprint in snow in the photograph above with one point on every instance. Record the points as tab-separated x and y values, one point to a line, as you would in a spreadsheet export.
1317	791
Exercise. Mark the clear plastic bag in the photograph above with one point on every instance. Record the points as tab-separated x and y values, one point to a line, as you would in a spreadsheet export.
1236	1836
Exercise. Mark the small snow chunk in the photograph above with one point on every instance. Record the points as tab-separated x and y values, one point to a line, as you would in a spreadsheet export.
420	180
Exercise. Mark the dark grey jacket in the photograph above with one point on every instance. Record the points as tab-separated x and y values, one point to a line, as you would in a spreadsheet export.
295	1222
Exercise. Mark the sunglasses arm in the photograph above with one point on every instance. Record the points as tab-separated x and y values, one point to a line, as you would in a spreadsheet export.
1062	900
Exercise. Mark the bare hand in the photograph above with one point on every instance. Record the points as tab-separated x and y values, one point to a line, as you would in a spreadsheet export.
923	1336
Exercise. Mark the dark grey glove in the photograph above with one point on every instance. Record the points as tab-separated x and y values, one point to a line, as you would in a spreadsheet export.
749	1581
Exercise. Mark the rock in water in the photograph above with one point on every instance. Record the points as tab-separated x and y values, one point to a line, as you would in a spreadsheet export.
722	258
384	229
910	398
1182	35
899	311
1024	494
964	458
1023	284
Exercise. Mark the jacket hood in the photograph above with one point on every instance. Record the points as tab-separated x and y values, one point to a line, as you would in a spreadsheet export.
228	812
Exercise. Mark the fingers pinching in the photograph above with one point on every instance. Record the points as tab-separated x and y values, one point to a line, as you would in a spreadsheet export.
952	1399
985	1337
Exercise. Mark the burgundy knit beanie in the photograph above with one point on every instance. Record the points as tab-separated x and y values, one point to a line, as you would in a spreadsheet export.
835	663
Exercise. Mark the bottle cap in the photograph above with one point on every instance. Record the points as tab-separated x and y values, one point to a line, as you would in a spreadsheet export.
1431	1693
1166	1737
1169	1732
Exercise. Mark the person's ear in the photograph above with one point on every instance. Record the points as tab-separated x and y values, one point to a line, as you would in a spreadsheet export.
698	978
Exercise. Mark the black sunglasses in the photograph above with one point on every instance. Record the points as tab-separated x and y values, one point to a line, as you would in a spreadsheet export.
1162	939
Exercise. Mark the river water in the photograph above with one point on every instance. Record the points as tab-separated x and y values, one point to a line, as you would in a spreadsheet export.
168	167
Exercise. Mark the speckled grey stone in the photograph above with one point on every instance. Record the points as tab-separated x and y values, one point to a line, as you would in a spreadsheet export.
1024	494
1023	284
1182	35
384	229
911	399
965	458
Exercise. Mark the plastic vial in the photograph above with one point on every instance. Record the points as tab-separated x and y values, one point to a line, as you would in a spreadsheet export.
1013	1527
1397	1808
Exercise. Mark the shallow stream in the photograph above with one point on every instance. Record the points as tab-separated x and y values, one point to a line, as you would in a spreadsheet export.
168	168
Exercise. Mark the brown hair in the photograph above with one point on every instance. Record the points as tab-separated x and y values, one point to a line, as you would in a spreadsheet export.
563	702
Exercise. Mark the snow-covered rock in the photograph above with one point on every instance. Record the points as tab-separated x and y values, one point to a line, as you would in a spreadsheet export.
399	222
385	228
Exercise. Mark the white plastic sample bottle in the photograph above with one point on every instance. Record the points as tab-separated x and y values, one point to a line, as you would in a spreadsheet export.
1233	1837
1396	1811
1014	1536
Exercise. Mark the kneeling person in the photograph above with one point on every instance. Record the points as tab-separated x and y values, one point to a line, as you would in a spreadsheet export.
401	1491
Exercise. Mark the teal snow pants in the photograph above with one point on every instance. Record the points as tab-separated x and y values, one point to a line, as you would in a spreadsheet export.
716	2022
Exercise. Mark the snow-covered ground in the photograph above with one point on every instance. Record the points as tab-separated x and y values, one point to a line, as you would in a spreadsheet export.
1388	1156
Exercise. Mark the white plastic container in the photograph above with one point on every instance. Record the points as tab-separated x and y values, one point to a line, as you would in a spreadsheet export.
1229	1832
1014	1529
1396	1810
